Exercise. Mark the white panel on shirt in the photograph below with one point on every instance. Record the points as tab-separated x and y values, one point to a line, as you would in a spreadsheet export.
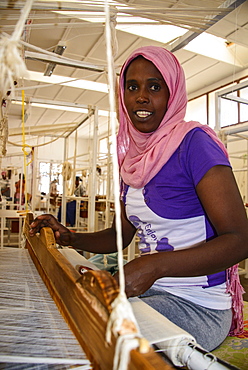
181	234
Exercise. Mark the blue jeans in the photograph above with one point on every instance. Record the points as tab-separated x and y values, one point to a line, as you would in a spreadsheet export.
70	213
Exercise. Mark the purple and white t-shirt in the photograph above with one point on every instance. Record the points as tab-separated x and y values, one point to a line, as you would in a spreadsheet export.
169	216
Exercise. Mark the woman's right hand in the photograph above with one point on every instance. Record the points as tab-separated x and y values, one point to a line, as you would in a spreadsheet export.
63	236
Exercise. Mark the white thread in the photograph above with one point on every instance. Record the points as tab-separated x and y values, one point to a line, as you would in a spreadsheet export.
112	25
111	80
105	260
4	128
12	66
42	360
125	344
67	170
121	307
31	327
122	310
4	131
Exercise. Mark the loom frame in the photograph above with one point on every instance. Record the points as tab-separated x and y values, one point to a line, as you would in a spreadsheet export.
85	303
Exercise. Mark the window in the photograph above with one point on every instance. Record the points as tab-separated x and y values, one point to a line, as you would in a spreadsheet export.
47	173
228	111
197	110
244	107
103	145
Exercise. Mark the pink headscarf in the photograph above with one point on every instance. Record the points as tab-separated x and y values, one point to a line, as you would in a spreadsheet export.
142	155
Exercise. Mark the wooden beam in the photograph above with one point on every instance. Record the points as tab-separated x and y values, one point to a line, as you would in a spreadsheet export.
85	303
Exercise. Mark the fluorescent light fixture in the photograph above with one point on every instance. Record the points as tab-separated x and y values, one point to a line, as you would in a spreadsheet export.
102	113
89	2
59	107
99	17
213	47
50	68
161	33
67	81
133	24
205	44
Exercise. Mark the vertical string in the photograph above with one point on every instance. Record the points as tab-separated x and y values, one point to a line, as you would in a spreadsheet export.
122	322
32	330
21	22
25	154
113	123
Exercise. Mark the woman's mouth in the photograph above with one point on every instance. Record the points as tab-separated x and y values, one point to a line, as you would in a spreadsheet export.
143	113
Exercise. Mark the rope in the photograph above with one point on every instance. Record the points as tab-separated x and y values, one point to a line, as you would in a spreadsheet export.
4	135
24	145
12	66
42	144
121	321
112	25
67	170
4	128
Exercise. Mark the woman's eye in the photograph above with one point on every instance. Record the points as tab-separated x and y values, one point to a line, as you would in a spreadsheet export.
132	87
155	87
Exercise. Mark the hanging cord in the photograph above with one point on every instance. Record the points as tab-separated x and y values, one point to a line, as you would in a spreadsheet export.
4	128
24	145
112	24
122	321
4	131
12	66
43	144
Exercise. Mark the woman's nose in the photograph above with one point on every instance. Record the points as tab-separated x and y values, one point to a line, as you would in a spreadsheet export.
142	98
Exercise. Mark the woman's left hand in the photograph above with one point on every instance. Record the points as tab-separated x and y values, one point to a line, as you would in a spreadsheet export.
140	274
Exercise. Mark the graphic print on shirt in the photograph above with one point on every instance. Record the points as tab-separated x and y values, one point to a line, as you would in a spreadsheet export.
147	236
158	233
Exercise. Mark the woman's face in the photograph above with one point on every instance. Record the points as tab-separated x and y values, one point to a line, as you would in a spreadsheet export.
145	95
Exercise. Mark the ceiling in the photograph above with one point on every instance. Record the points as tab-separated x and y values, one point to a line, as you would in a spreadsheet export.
65	23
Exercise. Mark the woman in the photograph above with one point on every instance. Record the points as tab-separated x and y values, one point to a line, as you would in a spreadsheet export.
71	205
180	196
20	190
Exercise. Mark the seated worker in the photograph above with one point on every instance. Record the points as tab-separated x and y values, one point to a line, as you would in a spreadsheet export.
53	192
19	196
71	205
180	196
5	185
79	188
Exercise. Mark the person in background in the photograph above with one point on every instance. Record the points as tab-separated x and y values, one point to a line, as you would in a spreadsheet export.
71	205
20	190
5	185
179	194
80	190
53	192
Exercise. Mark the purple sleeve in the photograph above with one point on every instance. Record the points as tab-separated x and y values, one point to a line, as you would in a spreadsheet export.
202	153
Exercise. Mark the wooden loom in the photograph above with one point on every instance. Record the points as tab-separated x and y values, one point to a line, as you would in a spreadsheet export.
85	303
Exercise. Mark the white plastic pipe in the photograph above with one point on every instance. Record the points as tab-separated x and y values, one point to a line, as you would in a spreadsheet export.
196	358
